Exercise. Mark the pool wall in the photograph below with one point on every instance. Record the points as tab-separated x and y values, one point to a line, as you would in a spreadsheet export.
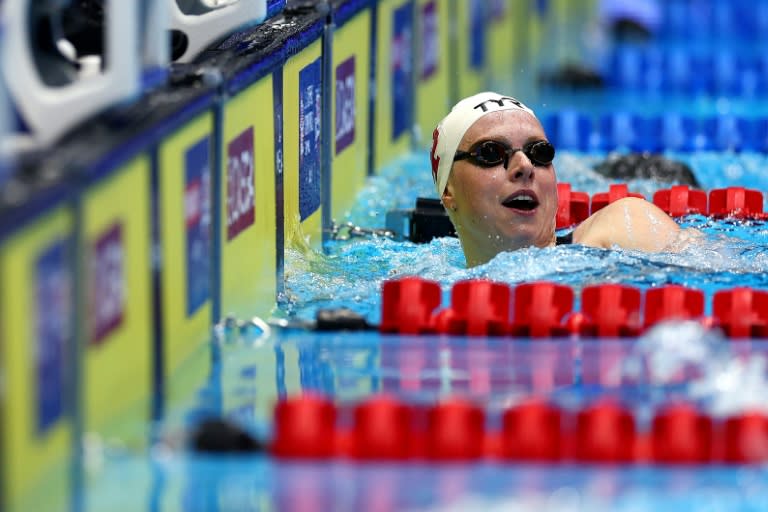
124	243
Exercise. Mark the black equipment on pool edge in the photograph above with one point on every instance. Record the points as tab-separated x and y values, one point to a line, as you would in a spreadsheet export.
421	224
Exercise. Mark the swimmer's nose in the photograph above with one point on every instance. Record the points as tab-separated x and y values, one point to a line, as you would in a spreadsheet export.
520	166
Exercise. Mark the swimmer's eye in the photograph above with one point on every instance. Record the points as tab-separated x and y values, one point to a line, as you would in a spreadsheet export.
490	153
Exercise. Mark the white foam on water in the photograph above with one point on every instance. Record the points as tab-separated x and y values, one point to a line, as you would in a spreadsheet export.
714	372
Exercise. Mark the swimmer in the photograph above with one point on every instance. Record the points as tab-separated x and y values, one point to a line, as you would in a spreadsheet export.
492	167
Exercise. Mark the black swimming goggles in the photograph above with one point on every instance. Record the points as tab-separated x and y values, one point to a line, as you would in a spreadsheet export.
490	153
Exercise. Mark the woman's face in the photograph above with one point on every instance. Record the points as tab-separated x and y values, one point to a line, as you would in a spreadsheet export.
497	209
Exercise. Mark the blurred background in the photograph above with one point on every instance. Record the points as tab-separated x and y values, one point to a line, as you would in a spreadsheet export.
201	202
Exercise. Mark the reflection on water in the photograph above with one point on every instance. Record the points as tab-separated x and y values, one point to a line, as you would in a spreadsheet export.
251	372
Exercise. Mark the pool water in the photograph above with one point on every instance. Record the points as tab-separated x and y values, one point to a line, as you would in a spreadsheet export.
255	365
351	273
256	362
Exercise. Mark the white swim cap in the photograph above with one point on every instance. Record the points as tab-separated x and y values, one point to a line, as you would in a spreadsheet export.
448	134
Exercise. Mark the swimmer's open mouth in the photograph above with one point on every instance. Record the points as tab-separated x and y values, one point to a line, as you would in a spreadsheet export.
524	200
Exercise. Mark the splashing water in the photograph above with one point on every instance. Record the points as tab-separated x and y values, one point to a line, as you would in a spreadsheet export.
350	274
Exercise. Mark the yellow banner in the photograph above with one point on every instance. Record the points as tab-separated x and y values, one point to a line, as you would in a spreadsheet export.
36	335
248	253
118	346
185	178
302	108
471	47
349	111
394	81
433	78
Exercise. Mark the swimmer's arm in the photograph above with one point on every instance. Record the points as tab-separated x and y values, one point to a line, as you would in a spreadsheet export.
630	223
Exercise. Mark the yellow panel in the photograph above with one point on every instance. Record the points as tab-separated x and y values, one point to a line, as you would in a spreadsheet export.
502	46
519	73
471	79
388	146
35	450
535	26
185	161
349	111
118	345
433	90
308	232
249	264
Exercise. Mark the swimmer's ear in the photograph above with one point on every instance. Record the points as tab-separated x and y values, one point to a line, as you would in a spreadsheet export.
448	201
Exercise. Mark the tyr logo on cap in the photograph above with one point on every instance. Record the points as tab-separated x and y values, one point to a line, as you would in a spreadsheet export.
499	103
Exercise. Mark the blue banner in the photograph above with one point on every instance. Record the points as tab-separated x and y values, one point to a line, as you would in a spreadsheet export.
197	218
310	109
477	44
430	34
53	328
402	70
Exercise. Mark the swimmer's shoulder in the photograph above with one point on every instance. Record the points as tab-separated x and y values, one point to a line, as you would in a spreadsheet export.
630	223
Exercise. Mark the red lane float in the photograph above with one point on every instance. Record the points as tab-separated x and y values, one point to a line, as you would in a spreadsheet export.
677	201
681	435
478	308
735	202
545	309
572	207
610	310
745	438
741	312
455	431
605	433
540	308
386	428
305	427
382	430
681	200
532	431
673	302
407	305
615	192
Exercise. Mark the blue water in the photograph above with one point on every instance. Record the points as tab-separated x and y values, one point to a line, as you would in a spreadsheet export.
256	364
352	272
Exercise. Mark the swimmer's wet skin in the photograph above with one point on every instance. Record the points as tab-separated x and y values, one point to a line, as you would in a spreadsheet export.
629	223
492	168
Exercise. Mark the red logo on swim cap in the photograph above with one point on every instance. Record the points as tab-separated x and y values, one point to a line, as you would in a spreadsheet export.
435	159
